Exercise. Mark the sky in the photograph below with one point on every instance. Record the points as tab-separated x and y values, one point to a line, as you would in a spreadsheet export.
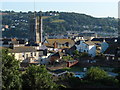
90	7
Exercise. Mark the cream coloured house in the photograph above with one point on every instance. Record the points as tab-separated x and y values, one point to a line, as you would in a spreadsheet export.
27	54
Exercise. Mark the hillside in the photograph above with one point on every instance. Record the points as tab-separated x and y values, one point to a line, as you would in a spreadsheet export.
55	23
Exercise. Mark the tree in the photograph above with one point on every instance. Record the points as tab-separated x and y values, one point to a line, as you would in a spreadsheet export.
76	54
10	72
37	77
99	76
66	58
95	73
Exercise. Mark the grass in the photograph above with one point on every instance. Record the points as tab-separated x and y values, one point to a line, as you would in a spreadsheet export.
57	21
72	69
45	17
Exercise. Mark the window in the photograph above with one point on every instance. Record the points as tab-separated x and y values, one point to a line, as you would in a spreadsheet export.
26	55
67	44
31	54
23	55
113	58
107	58
34	53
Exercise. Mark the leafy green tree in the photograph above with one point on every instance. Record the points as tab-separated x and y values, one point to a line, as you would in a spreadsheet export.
99	76
37	77
66	58
10	72
76	54
95	73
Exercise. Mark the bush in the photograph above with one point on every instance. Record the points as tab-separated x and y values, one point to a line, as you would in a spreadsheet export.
99	76
95	73
110	81
61	86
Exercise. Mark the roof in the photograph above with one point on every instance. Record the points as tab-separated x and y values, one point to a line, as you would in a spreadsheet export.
109	40
51	42
59	54
23	49
96	42
60	41
89	43
112	49
13	41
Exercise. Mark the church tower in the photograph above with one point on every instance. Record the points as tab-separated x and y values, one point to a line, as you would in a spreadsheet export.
38	29
32	30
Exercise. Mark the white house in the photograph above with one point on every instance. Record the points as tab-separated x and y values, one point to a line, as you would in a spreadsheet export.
87	47
28	54
101	46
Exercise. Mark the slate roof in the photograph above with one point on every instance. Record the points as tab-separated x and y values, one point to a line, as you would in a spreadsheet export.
109	40
22	49
112	49
13	41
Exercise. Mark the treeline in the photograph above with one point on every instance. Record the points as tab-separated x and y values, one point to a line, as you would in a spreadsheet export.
55	23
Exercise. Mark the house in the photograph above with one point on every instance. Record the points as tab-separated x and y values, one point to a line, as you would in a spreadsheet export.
77	38
58	44
104	43
27	54
113	52
56	57
69	50
108	40
101	46
88	34
86	46
10	43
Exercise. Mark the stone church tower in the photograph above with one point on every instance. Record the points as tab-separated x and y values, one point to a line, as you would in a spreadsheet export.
38	29
35	30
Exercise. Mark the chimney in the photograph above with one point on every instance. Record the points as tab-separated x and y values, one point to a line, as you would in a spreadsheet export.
55	44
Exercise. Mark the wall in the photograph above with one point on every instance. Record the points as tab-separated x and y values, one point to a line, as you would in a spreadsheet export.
90	49
19	56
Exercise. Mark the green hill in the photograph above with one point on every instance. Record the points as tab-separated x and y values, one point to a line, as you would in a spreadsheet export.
55	23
